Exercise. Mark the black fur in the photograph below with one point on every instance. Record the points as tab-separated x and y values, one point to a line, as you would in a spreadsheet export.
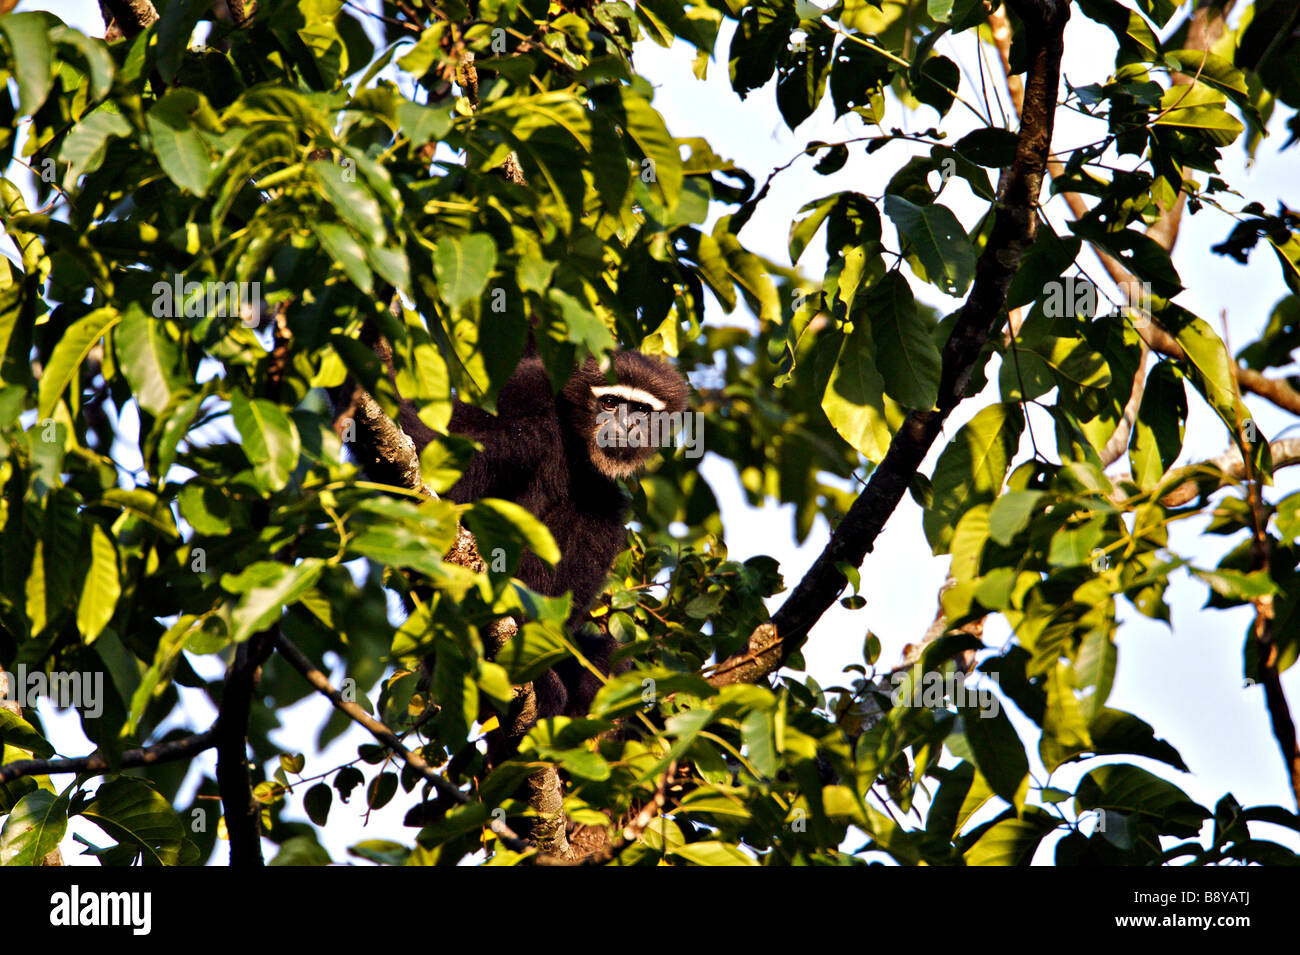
540	452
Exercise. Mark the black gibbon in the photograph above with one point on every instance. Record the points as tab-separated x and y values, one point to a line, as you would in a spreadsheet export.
559	457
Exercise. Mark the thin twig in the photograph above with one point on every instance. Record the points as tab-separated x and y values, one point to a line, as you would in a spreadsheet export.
299	661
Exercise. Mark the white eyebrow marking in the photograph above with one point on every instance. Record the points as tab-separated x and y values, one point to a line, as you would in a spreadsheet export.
628	393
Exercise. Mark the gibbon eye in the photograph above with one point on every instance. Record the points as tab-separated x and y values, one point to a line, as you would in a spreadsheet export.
608	402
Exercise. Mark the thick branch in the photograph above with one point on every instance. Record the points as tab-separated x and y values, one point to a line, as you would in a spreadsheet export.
546	797
97	763
126	18
239	12
234	782
1213	474
380	446
1014	227
630	833
1279	713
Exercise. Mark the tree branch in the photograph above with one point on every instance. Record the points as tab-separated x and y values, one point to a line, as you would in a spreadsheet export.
239	12
1014	227
630	833
1279	713
167	752
298	660
234	782
1209	475
126	18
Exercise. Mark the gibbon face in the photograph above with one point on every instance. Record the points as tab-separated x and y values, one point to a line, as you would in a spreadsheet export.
629	419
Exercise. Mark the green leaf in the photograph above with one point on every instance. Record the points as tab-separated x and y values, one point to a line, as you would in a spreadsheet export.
1239	586
802	72
101	589
803	230
712	853
131	811
17	732
1213	370
391	265
905	352
35	825
967	544
1157	437
424	124
1201	110
149	357
166	655
181	151
941	820
533	531
460	820
1126	788
647	129
1040	362
173	33
176	423
637	688
583	326
1215	71
999	754
971	469
1010	514
463	264
532	651
261	603
1133	33
355	205
83	148
854	400
759	734
144	505
939	242
937	81
1288	257
381	790
344	249
1114	731
1073	544
33	60
72	349
1159	11
270	439
989	146
317	803
1065	731
1044	262
1010	842
301	851
381	851
94	52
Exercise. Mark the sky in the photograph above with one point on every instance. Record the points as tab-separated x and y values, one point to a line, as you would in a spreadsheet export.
1184	679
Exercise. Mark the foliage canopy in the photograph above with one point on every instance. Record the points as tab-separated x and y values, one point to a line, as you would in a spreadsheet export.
175	484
